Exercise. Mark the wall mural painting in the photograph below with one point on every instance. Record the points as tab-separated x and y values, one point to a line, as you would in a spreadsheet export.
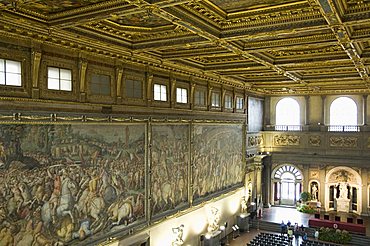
67	182
170	159
217	158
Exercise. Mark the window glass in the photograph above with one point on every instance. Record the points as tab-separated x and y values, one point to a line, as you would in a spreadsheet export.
160	92
200	98
13	67
65	85
228	101
53	72
239	103
13	79
287	112
181	95
100	84
215	99
343	111
2	78
53	84
134	88
10	72
59	79
2	65
65	74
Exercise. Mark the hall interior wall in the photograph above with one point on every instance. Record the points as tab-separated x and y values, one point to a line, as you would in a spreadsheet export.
314	149
33	102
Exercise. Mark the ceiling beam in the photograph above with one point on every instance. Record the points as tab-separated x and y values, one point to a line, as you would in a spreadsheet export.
102	11
212	37
332	16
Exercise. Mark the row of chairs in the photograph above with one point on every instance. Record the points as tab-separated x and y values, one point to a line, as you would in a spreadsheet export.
269	239
316	243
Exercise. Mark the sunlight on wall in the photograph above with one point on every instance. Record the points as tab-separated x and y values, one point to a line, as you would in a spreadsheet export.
234	205
196	222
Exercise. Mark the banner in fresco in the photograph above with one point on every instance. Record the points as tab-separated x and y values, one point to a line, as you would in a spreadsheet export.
216	158
65	182
170	160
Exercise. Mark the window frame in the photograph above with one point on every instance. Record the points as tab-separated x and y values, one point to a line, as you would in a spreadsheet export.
134	88
339	106
5	73
161	93
203	97
181	90
215	103
91	84
228	103
59	78
239	103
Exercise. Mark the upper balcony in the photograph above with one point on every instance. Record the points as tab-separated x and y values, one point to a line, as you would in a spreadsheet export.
318	128
340	143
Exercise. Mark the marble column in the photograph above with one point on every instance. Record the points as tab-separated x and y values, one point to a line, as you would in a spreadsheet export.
266	189
258	165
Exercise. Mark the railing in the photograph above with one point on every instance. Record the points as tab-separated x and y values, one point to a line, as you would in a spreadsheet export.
330	128
338	128
288	128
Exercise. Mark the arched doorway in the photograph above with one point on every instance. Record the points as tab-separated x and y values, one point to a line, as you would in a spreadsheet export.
343	190
287	185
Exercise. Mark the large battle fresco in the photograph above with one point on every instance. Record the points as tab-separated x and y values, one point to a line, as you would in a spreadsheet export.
170	160
61	183
217	158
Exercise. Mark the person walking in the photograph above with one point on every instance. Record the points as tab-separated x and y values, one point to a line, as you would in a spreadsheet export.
282	228
316	235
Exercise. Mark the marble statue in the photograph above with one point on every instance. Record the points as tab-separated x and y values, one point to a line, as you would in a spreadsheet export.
343	191
314	192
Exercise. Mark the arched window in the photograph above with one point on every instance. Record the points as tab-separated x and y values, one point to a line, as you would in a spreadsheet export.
343	115
288	172
287	115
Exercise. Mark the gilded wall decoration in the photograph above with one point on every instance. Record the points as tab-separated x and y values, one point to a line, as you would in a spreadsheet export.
170	159
342	176
67	182
141	20
254	141
53	6
315	141
287	140
346	142
217	159
234	5
314	174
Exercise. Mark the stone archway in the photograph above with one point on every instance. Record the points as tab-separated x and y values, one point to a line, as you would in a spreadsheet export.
286	184
343	191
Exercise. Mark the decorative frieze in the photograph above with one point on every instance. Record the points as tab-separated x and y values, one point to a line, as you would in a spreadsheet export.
315	141
343	142
287	140
343	176
254	141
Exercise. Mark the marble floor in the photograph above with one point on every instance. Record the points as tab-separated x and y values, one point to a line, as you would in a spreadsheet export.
279	214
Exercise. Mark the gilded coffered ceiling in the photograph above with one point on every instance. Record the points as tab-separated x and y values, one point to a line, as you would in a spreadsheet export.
266	46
